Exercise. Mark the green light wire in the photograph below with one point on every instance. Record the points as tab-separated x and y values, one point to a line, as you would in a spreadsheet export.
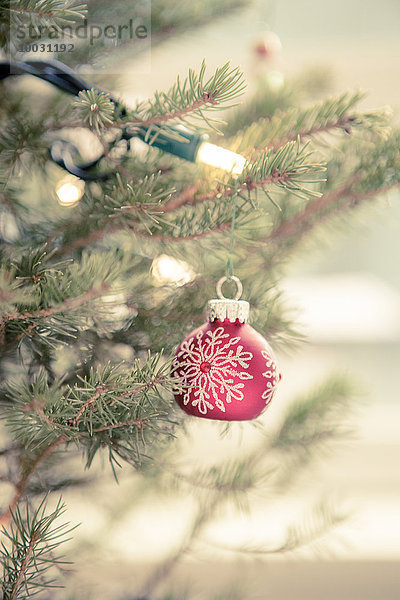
229	262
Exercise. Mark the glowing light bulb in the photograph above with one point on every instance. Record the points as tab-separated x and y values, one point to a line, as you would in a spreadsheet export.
275	80
215	156
166	269
70	190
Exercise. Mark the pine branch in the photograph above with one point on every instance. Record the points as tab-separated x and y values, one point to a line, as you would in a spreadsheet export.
267	100
69	305
127	424
310	423
113	406
26	475
29	323
317	524
63	294
205	512
87	240
233	480
337	201
46	12
24	566
333	114
134	207
183	198
10	197
190	99
296	226
95	108
180	113
107	390
73	423
367	171
28	551
11	293
21	142
213	229
189	102
284	168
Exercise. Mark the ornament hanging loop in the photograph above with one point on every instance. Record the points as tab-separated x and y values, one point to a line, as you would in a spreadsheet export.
239	287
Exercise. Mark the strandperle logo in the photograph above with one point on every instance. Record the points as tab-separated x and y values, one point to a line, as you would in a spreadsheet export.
93	32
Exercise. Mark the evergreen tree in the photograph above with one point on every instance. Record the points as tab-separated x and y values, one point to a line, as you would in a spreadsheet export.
87	327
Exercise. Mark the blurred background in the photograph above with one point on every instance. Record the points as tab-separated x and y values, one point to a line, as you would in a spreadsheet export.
344	292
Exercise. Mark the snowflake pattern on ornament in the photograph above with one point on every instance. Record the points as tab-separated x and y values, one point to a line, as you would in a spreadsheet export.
209	366
273	375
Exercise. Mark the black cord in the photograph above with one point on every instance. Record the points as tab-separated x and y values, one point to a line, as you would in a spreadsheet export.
175	139
61	151
53	71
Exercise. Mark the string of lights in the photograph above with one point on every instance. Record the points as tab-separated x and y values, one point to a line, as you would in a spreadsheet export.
174	139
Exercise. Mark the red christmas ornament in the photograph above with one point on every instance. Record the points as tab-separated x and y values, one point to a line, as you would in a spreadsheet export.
268	46
224	369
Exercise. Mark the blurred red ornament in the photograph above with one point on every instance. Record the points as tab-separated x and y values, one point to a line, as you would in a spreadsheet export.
268	45
224	369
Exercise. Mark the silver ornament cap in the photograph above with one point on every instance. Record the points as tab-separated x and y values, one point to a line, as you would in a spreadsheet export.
233	309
